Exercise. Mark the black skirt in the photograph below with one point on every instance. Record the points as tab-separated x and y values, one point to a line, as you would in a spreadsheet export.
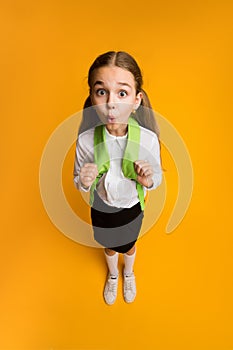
116	228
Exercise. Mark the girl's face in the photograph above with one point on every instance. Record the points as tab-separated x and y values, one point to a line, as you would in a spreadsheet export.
113	95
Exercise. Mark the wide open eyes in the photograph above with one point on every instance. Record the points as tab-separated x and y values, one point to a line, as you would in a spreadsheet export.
103	92
123	93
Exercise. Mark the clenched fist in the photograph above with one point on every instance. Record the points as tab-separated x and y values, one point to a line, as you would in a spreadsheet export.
145	172
88	174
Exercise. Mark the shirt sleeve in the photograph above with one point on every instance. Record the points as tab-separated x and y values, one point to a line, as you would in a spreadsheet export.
151	153
156	163
83	154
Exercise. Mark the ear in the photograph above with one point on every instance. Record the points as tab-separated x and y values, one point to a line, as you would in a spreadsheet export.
138	100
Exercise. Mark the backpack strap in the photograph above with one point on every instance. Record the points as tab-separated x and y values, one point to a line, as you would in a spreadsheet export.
101	157
131	155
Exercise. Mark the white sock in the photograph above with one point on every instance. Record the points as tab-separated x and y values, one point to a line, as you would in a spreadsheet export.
129	262
112	262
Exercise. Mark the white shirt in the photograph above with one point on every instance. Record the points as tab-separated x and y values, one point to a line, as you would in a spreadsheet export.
113	187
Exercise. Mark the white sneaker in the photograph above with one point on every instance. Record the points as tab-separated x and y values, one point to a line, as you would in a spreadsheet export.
129	288
110	289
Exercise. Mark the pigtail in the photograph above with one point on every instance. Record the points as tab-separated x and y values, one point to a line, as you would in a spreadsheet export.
90	118
145	115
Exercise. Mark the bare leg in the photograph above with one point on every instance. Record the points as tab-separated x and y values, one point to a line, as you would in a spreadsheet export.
131	251
109	251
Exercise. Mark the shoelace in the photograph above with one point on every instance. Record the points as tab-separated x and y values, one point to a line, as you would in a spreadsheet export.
129	283
111	286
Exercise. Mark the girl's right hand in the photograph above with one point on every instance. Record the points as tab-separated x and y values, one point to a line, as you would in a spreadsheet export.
88	174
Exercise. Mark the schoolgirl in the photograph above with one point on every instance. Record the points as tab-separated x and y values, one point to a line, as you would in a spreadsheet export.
117	160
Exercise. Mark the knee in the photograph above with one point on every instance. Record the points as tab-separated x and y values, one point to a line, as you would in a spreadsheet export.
131	251
110	251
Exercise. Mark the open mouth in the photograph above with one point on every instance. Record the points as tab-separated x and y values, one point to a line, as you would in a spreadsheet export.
111	120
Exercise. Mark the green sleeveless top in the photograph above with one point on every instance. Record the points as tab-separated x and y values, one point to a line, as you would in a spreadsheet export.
102	159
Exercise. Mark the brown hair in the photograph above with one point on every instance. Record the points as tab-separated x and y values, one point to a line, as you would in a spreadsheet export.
144	114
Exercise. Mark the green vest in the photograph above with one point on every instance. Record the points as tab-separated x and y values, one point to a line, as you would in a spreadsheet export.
102	159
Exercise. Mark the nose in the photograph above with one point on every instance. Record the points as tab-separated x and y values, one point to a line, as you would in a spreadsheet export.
111	101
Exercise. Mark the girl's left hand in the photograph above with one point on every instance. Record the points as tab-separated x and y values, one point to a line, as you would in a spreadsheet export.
145	173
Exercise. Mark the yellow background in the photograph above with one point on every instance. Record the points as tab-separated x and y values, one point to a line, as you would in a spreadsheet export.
51	287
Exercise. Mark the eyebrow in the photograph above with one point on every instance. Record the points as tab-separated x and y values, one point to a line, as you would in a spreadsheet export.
99	82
